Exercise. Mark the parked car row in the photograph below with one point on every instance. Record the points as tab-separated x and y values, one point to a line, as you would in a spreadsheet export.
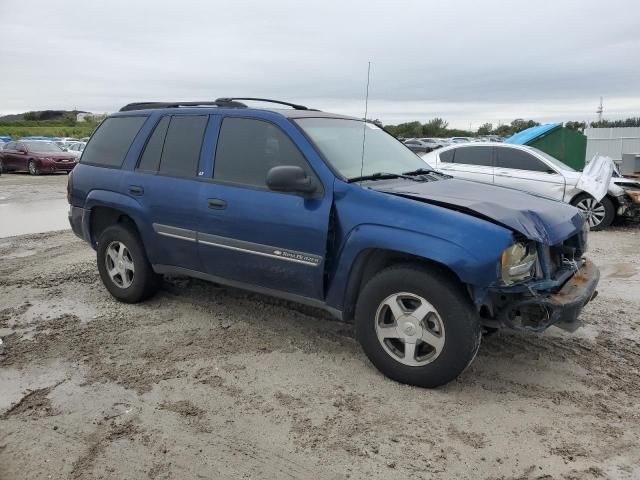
39	154
35	157
426	145
531	170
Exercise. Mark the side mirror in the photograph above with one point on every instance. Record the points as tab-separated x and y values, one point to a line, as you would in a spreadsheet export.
290	178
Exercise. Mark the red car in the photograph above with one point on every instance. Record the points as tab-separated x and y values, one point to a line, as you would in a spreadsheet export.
35	157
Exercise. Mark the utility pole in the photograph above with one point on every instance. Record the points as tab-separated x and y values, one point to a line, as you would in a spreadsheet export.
600	110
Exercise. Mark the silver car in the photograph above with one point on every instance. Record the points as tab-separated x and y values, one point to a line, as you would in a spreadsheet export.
75	148
527	168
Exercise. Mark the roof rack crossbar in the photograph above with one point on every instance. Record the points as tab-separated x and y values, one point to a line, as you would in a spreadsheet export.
153	105
268	100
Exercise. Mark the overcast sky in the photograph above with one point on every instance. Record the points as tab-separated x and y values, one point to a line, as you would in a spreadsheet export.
466	61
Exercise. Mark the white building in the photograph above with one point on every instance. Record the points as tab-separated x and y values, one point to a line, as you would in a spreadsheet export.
86	116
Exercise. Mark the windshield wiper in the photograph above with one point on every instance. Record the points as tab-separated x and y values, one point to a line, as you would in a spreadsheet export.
419	171
381	176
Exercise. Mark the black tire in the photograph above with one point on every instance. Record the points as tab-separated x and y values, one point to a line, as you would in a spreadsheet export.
585	202
461	335
33	168
145	282
1	167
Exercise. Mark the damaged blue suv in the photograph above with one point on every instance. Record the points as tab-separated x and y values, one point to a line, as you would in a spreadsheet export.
332	212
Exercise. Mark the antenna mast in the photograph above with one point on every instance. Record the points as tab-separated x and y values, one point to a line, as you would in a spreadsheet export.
364	123
600	110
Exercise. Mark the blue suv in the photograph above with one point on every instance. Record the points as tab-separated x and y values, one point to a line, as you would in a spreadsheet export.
333	212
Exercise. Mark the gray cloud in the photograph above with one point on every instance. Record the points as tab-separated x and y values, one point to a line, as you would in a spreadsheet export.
467	61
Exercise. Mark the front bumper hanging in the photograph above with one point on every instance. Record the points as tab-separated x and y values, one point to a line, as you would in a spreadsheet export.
539	310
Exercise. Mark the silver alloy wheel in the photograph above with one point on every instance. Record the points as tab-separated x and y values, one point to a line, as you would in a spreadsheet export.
119	264
593	209
32	168
409	329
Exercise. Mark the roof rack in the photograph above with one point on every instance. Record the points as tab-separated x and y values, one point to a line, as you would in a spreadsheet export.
268	100
152	105
224	102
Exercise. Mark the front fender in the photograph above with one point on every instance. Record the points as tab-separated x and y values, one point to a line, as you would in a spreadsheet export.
476	267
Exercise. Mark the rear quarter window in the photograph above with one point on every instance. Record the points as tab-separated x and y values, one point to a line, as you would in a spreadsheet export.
481	156
109	145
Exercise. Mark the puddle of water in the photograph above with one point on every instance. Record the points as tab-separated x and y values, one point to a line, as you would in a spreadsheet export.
33	217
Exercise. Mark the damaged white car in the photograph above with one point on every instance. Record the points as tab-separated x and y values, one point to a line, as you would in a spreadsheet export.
600	192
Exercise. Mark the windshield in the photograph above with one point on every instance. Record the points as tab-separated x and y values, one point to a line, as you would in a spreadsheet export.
42	147
341	142
555	161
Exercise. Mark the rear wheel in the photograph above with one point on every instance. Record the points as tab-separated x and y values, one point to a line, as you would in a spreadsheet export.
599	214
33	168
123	265
1	167
417	326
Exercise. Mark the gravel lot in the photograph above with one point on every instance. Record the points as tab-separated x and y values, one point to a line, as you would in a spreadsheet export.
211	382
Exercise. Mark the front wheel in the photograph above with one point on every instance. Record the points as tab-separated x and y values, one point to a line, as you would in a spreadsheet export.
33	168
599	214
123	265
417	325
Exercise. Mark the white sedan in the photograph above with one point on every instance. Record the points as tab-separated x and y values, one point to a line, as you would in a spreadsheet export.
75	148
526	168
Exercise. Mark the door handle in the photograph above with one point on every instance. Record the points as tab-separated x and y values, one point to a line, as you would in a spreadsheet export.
503	173
217	204
136	190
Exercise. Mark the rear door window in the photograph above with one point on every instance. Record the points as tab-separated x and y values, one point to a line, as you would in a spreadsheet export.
182	145
480	156
109	145
513	158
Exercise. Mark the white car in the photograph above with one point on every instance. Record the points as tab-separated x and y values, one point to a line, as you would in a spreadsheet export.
75	148
456	140
526	168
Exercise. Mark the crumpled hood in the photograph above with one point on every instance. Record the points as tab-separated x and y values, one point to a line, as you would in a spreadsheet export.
540	219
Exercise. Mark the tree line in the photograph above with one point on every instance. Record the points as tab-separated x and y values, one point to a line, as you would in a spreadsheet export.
438	127
48	123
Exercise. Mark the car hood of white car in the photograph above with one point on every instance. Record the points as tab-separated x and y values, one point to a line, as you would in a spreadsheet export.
613	188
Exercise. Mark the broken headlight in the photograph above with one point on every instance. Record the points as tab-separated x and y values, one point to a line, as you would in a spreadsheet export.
634	195
518	263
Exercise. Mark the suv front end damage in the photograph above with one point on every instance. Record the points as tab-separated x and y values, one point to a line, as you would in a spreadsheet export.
560	284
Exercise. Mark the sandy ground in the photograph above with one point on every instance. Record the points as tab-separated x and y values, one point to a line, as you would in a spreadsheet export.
211	382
